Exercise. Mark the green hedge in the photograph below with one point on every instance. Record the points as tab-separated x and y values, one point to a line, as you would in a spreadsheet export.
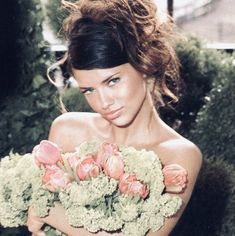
200	68
25	119
27	108
21	44
56	20
27	104
211	207
74	100
214	131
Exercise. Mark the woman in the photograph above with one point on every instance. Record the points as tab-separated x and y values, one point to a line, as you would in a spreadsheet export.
120	54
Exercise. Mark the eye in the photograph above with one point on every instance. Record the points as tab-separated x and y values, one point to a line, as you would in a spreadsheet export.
88	91
113	81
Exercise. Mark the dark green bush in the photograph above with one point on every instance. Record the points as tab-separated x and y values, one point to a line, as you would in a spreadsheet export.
214	131
21	44
74	100
19	231
28	109
211	208
200	68
25	119
56	14
26	102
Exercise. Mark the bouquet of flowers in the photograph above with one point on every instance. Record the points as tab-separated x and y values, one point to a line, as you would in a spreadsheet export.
101	187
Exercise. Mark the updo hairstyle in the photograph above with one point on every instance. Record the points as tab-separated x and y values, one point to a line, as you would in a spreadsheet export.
107	33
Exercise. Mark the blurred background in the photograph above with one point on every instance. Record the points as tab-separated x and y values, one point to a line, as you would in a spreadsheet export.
30	41
213	20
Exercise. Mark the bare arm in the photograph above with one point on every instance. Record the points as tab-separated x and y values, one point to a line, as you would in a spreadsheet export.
188	156
56	219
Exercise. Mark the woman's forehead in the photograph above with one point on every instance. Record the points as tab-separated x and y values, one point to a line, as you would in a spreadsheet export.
98	74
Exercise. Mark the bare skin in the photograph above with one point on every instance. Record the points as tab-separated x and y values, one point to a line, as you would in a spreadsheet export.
136	124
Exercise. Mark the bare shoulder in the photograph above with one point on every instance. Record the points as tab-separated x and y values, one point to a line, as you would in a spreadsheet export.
70	129
179	150
174	148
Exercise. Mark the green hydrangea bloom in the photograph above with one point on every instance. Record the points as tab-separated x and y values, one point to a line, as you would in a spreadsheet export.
111	223
21	187
96	203
169	205
87	148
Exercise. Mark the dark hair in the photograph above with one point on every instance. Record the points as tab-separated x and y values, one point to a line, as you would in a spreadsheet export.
107	33
91	46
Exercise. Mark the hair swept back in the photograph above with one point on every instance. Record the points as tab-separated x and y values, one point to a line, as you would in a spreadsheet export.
148	41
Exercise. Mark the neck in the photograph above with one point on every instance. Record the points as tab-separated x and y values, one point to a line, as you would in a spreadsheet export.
141	130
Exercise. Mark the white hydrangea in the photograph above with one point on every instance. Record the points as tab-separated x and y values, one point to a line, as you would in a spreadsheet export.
88	192
75	215
21	187
87	148
95	204
169	205
111	223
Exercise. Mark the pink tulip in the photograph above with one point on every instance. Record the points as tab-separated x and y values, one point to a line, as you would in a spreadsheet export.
46	153
73	161
105	151
124	182
87	168
175	178
55	178
129	184
114	166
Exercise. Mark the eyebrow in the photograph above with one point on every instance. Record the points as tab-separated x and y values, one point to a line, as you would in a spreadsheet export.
104	81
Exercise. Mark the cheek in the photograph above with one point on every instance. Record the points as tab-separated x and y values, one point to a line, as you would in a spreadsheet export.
133	91
124	93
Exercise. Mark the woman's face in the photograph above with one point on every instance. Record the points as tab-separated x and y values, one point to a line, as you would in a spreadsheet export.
116	93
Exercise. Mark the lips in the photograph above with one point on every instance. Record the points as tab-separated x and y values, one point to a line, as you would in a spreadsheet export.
113	114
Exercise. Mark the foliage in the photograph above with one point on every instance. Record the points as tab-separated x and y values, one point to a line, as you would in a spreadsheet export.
28	110
214	131
211	208
25	119
17	231
200	67
20	45
74	100
56	20
23	89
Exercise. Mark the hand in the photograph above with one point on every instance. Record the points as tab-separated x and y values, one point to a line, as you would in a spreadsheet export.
34	223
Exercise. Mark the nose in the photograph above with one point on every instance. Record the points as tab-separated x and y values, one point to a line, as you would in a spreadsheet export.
106	99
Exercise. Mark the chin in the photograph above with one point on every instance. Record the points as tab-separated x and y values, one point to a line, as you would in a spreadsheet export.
121	122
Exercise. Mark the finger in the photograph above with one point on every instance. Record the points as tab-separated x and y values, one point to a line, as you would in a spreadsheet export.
34	226
39	233
34	222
